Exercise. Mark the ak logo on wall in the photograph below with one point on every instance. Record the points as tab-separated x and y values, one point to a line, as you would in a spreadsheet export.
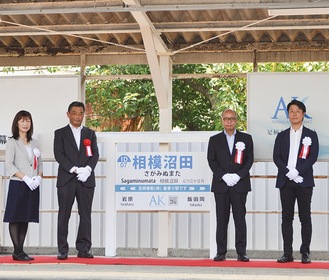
268	97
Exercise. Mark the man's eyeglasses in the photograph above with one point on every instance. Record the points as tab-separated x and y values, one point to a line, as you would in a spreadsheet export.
228	119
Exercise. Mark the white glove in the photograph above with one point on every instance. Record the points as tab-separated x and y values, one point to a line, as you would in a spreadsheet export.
235	177
37	180
292	174
84	170
29	182
83	173
228	179
82	177
74	169
299	179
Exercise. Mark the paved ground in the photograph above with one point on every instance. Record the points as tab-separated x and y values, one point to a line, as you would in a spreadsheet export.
123	272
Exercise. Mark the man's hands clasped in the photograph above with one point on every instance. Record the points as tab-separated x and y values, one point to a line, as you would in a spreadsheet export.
83	173
231	179
293	175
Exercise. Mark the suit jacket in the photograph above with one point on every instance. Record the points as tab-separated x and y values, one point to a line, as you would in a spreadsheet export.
303	166
221	161
18	159
68	155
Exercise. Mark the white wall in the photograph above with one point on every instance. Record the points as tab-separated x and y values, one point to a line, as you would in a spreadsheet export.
45	97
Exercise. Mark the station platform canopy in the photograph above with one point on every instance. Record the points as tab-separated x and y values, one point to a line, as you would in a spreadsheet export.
65	32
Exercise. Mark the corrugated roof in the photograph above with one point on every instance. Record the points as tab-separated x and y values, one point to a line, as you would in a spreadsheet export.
52	32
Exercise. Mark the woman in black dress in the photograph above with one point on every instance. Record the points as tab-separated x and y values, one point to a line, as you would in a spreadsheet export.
24	165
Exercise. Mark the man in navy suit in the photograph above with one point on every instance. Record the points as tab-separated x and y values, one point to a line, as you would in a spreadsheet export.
295	151
230	157
76	151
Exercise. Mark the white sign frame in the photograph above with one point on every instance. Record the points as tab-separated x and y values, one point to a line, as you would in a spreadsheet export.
175	183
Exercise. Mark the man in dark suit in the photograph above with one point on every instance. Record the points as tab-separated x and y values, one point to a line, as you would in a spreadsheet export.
230	157
295	151
76	151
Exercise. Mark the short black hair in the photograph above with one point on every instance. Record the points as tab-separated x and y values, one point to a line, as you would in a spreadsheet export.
76	104
298	103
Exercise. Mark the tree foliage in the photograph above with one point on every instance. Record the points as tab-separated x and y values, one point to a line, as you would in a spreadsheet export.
198	103
121	105
130	105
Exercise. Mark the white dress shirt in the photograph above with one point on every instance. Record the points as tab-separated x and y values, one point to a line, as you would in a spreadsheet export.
77	134
230	140
294	146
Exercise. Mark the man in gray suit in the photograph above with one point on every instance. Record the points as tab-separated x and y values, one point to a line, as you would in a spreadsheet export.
230	157
76	151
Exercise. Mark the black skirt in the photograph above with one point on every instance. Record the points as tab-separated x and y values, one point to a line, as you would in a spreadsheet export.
22	203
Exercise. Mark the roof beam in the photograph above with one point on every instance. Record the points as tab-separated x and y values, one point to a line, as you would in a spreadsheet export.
106	6
144	21
266	55
161	28
153	46
298	11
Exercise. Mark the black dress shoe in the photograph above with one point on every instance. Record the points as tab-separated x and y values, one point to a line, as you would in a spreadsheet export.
285	258
243	258
219	257
62	256
85	255
21	257
306	258
30	258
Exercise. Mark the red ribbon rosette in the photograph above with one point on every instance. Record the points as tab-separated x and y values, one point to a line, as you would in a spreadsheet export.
36	154
239	146
35	162
305	151
87	144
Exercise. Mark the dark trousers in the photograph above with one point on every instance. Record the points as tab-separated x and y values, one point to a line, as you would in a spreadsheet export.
224	201
289	194
66	196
